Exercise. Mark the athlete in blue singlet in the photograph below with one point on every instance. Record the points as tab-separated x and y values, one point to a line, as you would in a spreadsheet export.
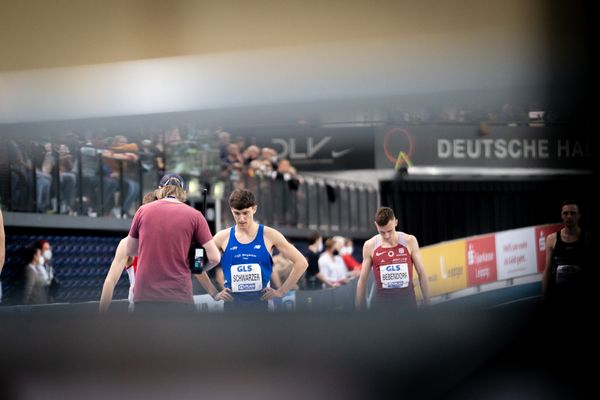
246	261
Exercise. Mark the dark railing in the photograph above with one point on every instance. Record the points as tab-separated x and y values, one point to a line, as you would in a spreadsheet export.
330	206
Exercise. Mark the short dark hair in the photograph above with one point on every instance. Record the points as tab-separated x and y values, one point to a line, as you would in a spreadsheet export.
240	199
384	215
570	202
313	236
28	252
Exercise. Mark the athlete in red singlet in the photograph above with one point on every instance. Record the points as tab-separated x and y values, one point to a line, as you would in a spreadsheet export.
391	255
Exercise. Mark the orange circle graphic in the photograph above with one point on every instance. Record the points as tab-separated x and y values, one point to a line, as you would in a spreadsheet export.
392	156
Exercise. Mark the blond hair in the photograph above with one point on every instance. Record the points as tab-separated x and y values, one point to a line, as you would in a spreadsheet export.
171	190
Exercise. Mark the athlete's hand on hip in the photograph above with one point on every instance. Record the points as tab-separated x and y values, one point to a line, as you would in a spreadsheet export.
269	293
224	295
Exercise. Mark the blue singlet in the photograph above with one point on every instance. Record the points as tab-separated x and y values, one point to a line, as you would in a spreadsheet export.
247	267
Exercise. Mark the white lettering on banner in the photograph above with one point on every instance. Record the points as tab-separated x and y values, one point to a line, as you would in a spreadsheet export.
482	273
444	148
288	147
513	149
500	148
459	148
569	149
246	278
394	276
484	257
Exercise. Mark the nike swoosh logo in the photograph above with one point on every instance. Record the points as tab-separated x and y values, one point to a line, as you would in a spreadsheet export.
378	254
338	154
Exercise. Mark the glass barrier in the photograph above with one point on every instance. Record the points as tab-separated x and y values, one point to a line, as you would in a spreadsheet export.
101	178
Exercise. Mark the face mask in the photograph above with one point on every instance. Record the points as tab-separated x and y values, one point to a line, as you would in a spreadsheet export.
320	247
47	255
335	252
349	250
41	261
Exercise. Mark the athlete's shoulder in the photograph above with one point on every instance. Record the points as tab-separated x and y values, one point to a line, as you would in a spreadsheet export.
551	239
222	235
122	246
411	241
271	232
408	237
369	243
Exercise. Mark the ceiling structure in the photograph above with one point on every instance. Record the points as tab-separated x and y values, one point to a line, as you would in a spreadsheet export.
269	62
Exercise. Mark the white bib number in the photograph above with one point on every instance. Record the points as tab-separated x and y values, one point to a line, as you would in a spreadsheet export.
246	278
394	276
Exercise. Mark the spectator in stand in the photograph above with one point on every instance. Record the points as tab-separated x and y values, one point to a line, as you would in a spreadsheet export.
224	141
313	278
36	278
346	252
90	177
240	141
121	151
266	163
68	179
48	158
232	165
288	173
21	186
45	262
44	162
251	153
332	269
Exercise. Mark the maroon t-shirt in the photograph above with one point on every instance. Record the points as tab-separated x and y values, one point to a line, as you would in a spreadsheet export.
165	230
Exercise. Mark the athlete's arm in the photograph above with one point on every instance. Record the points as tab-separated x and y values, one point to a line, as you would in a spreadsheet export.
132	246
299	263
363	278
113	275
206	283
221	239
277	267
213	255
418	264
550	243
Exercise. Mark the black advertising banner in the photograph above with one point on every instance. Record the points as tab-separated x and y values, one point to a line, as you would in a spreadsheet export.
554	147
319	149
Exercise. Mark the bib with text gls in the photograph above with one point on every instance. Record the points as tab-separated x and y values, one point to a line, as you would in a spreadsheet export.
246	278
394	276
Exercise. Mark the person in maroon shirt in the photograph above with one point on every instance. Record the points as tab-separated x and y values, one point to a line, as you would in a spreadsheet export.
160	235
391	255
